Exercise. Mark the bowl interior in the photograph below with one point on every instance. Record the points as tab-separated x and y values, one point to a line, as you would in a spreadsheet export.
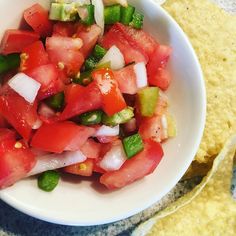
81	202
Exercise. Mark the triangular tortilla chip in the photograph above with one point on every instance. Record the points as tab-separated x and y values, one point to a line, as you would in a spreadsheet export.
207	210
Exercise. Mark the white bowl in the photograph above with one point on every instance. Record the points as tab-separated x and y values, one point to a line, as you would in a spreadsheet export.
81	202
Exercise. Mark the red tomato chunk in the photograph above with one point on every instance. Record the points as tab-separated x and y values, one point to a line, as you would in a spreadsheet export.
16	159
61	136
37	17
18	112
135	168
15	41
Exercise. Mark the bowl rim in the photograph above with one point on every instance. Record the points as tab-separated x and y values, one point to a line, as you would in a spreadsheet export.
202	119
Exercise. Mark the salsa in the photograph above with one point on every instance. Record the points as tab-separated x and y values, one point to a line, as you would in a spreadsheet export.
82	95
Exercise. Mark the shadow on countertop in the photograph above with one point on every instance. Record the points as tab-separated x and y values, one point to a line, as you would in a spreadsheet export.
13	222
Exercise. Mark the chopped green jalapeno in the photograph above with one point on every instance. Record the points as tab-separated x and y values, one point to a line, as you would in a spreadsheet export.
90	63
89	16
56	101
112	14
147	99
91	118
9	62
127	14
99	52
118	118
137	21
133	145
84	79
48	180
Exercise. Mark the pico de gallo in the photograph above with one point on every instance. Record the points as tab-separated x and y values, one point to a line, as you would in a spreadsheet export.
82	92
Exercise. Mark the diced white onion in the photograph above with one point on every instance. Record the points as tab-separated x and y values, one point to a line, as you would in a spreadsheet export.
141	74
108	131
56	161
116	58
164	125
113	159
25	86
99	14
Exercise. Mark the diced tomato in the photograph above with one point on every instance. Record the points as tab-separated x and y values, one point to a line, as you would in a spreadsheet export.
3	122
89	35
64	77
5	77
115	37
16	159
6	134
15	41
85	168
81	100
98	169
138	39
161	79
152	128
135	168
162	105
48	77
107	139
37	17
64	43
156	67
67	57
17	111
126	79
91	149
33	56
61	136
112	99
65	29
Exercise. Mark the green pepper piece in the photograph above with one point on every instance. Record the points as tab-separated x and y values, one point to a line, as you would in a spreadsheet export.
91	118
89	19
127	14
137	21
99	52
119	118
56	101
48	180
147	99
55	11
90	63
112	14
133	145
9	62
84	79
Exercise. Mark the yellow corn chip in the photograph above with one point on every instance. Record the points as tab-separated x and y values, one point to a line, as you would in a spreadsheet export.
212	33
207	210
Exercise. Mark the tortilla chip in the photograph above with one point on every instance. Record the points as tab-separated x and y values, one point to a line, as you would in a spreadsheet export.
212	33
207	210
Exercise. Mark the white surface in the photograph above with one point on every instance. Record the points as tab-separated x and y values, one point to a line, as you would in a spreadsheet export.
82	202
25	86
